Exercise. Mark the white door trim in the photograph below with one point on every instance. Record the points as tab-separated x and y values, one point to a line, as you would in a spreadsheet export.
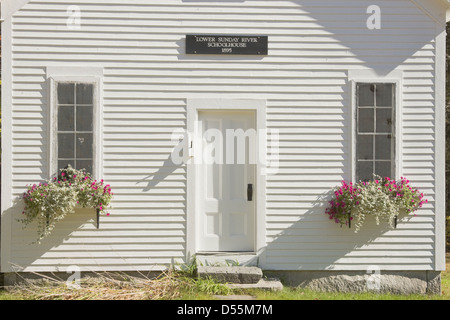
193	108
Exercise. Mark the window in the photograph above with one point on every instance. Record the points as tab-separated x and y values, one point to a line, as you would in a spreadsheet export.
75	129
375	130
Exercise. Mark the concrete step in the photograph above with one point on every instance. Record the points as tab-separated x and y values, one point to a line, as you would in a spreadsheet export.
272	284
227	259
233	274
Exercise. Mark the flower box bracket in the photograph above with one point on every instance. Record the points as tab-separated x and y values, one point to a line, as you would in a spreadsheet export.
98	218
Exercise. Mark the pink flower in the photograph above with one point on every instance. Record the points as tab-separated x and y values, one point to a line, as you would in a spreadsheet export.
63	174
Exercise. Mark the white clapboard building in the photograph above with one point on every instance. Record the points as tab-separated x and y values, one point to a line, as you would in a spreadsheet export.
314	91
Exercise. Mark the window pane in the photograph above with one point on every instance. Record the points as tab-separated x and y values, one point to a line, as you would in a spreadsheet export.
383	147
384	120
66	145
84	93
366	95
64	163
384	95
84	164
364	147
366	119
66	118
66	92
84	145
364	170
383	168
84	118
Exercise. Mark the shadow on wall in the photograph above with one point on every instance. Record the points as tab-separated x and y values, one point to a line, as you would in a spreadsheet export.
319	255
57	251
362	36
314	242
373	35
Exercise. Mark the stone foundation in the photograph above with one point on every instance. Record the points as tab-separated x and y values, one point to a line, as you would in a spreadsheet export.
395	282
12	278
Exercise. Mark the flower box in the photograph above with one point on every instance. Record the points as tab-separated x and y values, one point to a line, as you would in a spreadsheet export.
51	201
383	198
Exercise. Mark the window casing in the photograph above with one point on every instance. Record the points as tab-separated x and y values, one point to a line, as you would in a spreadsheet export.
375	130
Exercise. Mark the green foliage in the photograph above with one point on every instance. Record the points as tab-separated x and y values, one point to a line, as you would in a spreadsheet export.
49	202
383	198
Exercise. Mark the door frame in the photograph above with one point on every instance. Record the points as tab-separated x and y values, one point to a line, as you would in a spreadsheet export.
194	106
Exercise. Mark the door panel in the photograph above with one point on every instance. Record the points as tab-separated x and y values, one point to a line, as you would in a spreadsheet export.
226	219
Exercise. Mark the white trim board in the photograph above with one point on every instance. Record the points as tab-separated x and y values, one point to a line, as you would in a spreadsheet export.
370	76
440	140
211	104
77	74
6	192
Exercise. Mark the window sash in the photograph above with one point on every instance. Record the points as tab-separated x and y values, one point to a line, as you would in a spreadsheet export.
80	133
374	106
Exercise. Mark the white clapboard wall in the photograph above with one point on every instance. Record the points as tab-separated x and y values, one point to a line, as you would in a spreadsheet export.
147	78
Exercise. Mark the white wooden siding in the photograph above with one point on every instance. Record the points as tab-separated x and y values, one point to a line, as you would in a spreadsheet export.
147	79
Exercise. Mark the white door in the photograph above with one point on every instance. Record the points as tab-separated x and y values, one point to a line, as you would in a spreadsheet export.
226	197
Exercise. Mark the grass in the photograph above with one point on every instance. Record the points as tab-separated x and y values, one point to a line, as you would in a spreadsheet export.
182	285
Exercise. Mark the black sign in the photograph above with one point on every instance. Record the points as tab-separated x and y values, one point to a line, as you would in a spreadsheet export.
226	44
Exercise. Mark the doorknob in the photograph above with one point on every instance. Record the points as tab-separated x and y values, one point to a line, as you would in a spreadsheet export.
250	192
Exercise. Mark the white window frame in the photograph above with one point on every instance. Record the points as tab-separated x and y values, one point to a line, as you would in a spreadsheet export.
371	77
73	76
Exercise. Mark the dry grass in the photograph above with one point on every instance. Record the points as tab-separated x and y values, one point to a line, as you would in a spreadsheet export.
104	287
